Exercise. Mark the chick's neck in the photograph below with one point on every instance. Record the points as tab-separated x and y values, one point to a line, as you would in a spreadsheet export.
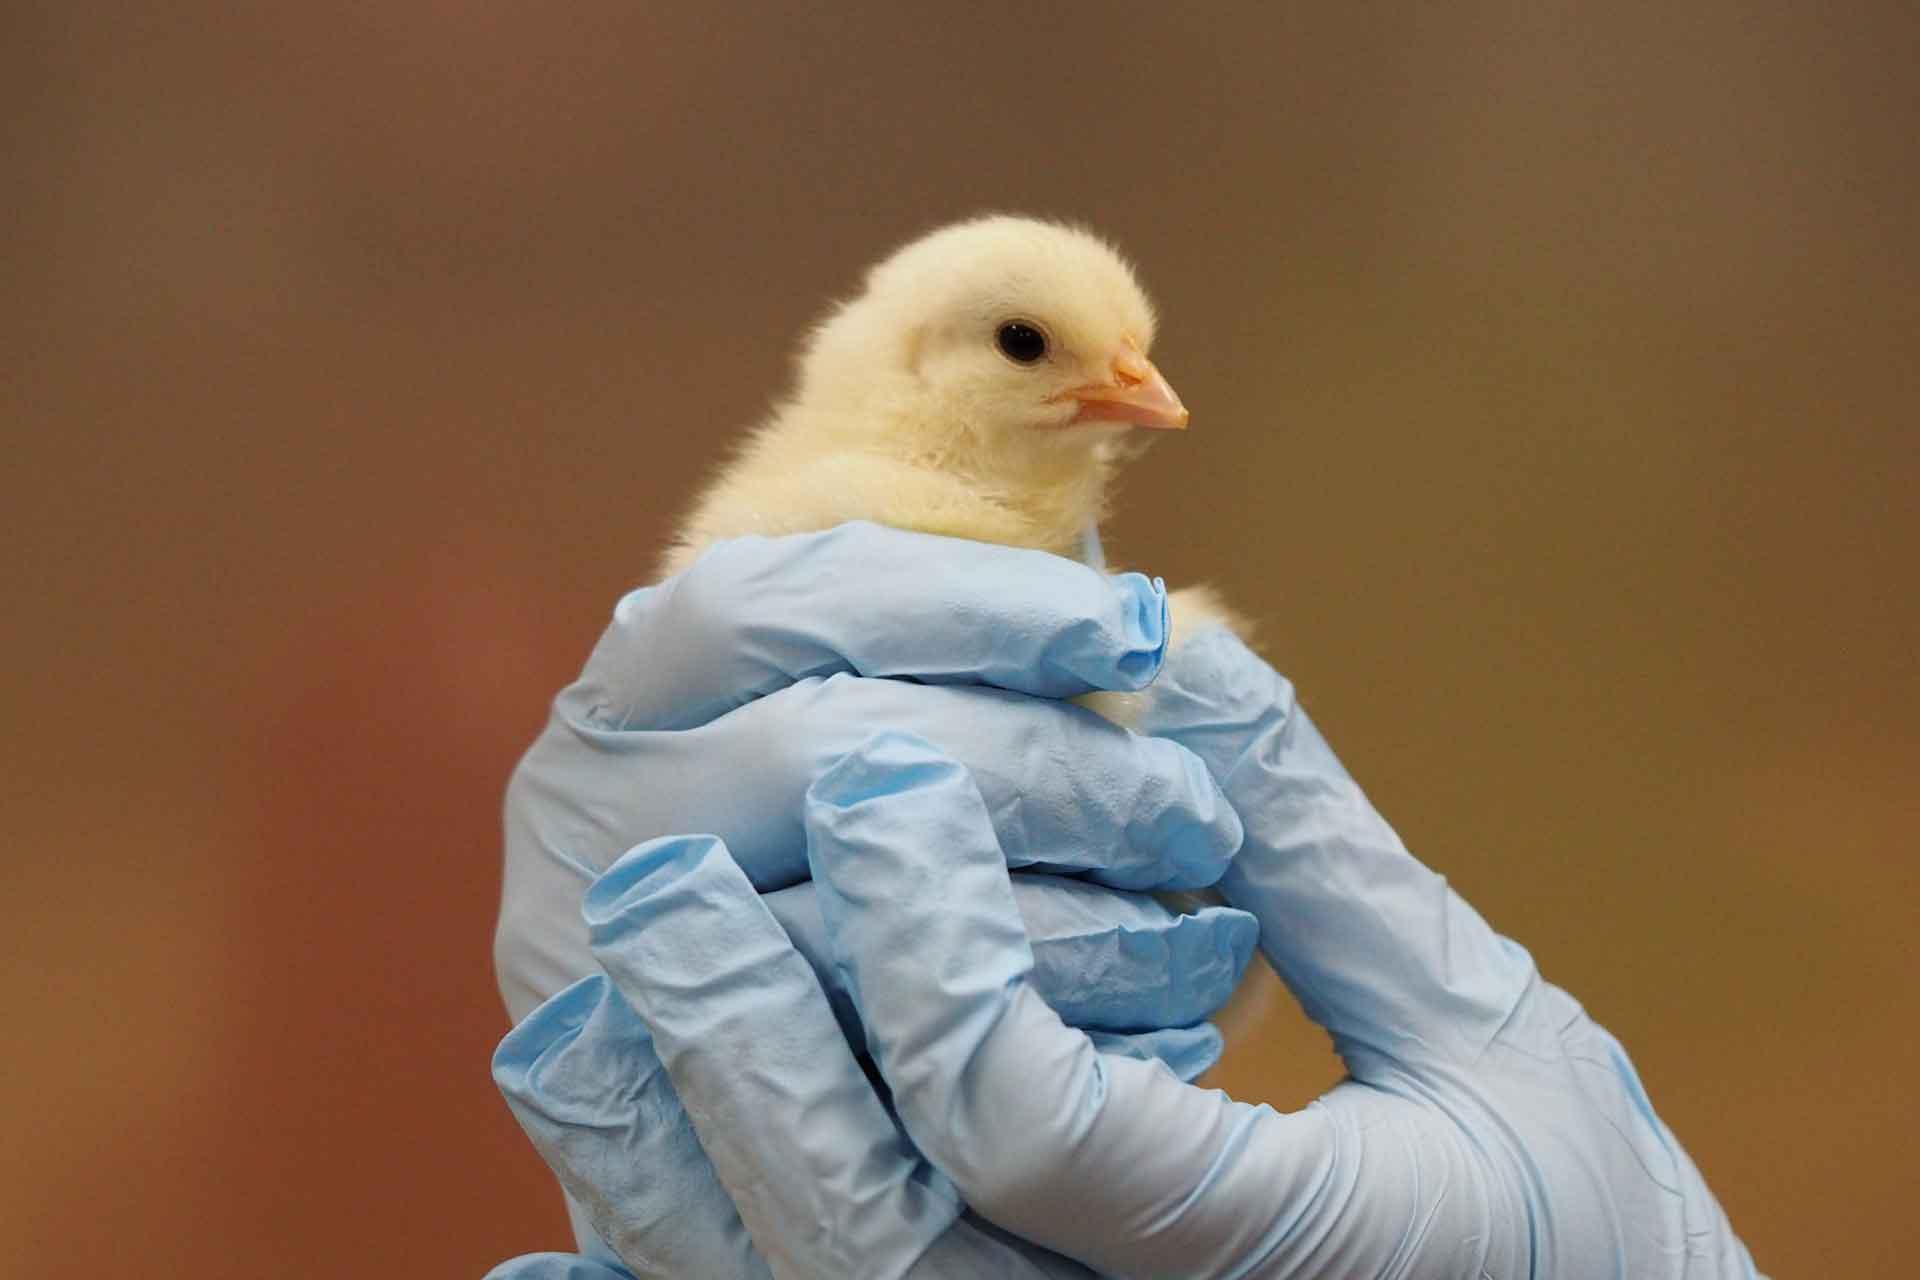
1056	485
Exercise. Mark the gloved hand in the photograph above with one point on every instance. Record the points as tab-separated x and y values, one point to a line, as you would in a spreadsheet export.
1489	1128
715	698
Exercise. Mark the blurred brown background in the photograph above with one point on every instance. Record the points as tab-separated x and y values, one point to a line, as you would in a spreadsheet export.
1553	371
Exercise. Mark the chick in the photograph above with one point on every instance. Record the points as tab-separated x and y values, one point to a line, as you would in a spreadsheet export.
985	384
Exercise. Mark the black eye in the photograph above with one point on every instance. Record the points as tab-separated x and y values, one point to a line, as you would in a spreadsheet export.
1021	342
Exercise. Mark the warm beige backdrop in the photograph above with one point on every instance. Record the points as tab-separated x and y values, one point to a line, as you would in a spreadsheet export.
1554	379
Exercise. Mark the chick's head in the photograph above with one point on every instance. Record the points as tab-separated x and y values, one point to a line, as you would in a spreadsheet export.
1002	339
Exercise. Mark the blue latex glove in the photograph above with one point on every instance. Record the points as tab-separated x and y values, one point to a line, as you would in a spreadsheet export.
713	701
1489	1128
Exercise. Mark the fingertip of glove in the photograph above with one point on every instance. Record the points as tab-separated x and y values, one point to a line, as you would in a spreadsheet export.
642	873
549	1028
1145	628
1237	933
1210	950
1214	833
555	1266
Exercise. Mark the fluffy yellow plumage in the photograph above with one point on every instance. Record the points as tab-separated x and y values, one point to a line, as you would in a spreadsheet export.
984	384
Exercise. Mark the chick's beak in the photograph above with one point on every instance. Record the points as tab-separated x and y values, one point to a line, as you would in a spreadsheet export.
1135	393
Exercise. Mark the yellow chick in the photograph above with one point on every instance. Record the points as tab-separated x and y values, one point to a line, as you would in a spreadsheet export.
985	384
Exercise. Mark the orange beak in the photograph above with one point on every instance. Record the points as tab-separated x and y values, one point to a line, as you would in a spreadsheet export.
1135	394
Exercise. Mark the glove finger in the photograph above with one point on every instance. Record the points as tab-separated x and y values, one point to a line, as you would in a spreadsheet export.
1103	959
1131	976
556	1266
581	1075
755	614
1068	791
1108	1159
1375	946
822	1177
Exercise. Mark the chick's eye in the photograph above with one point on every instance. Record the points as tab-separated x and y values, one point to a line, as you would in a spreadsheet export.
1021	342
